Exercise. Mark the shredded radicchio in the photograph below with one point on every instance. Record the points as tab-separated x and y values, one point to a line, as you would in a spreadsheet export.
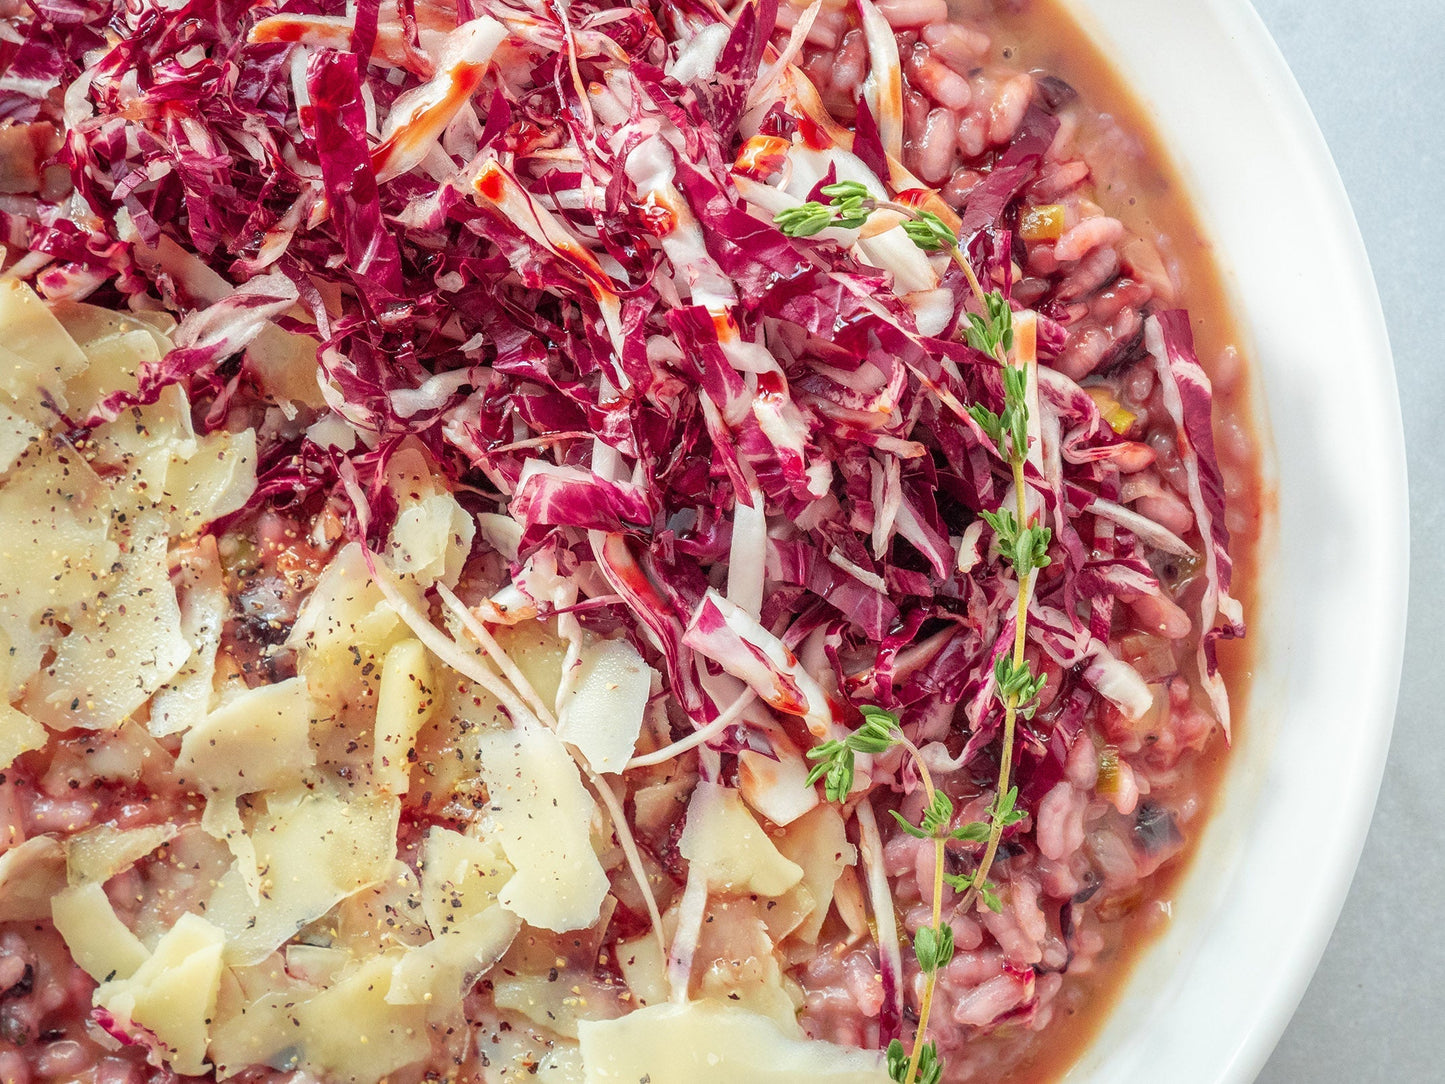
539	239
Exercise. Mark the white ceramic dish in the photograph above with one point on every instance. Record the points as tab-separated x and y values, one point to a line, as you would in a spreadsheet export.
1210	999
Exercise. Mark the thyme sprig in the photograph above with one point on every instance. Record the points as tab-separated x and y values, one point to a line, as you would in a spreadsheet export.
849	207
932	944
835	759
1022	543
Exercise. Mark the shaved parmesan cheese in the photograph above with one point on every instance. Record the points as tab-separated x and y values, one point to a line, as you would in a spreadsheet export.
538	653
502	533
381	917
173	994
346	1032
403	704
644	968
776	786
316	965
558	1000
602	713
115	345
257	740
16	434
352	1033
18	734
99	853
461	878
187	698
730	847
214	481
542	815
312	851
331	431
142	441
222	820
86	323
343	606
39	356
257	1024
344	625
286	364
121	648
102	945
709	1042
189	479
440	972
739	966
30	874
818	842
431	539
561	1065
113	361
432	534
519	1052
56	540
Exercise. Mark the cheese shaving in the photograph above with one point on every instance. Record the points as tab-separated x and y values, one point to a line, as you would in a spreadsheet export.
709	1042
730	848
542	816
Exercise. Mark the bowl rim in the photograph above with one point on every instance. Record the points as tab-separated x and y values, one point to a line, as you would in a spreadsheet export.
1274	865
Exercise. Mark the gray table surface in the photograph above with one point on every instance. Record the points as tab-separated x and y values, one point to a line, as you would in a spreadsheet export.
1373	74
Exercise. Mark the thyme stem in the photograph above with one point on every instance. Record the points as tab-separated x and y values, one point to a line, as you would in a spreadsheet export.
1021	610
930	981
1021	543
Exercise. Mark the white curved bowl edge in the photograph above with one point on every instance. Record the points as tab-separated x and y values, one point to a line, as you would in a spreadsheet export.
1209	1000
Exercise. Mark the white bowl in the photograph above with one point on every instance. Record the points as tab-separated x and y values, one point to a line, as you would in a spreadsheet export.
1251	918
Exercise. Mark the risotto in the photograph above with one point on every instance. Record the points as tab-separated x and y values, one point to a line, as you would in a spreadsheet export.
608	541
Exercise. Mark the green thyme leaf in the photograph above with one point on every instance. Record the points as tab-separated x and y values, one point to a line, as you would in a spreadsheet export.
851	201
938	815
933	946
1000	316
804	221
839	781
897	1056
824	752
977	334
846	190
935	821
930	1066
990	898
852	214
835	767
972	832
1003	811
989	422
987	890
879	731
1015	417
1005	527
929	232
834	759
1016	681
992	332
914	830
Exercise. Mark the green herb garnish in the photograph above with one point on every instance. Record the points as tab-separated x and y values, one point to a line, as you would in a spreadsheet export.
1023	544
